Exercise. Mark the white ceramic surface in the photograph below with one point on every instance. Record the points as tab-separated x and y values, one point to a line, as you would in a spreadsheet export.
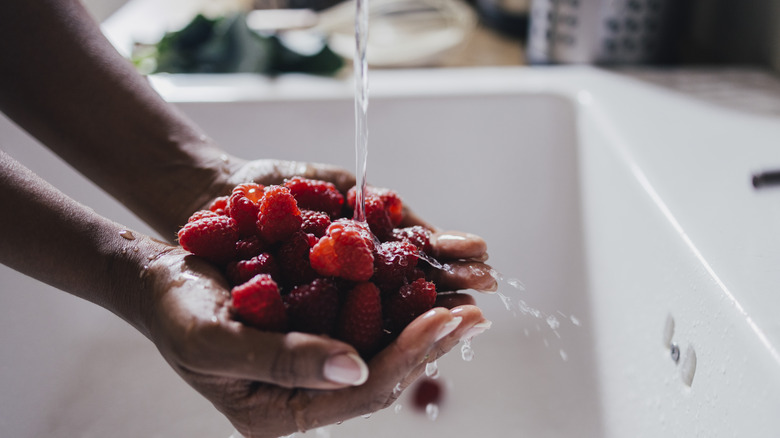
614	202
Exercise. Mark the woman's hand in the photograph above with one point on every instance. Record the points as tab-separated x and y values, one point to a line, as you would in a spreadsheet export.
273	384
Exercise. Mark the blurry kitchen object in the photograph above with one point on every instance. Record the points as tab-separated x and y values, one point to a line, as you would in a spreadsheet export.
239	43
510	17
603	31
402	33
315	5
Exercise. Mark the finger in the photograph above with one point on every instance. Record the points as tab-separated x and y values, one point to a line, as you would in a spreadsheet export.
464	275
289	360
411	219
472	323
451	300
458	245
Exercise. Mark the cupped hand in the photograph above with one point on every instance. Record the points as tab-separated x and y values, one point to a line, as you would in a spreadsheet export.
272	384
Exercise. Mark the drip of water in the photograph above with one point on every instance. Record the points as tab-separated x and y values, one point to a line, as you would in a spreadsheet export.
360	65
432	370
397	408
435	263
432	411
466	352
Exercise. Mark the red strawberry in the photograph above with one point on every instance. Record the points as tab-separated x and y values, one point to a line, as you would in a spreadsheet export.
244	212
315	222
316	195
411	301
279	216
219	205
200	214
345	251
213	238
239	272
360	320
418	235
313	308
257	303
394	264
293	258
390	199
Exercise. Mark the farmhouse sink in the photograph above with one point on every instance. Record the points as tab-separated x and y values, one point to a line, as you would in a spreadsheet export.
649	263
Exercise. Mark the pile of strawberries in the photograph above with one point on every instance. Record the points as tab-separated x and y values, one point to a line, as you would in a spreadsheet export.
296	260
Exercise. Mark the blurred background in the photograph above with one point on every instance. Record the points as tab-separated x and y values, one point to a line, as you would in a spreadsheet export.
712	32
723	51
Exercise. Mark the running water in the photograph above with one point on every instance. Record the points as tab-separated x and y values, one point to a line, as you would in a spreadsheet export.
360	65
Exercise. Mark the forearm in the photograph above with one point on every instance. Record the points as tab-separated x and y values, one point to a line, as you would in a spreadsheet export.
64	83
48	236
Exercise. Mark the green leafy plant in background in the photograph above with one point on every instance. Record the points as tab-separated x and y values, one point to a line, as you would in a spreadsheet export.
228	45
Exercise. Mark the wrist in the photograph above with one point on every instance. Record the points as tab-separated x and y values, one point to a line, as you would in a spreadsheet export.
132	278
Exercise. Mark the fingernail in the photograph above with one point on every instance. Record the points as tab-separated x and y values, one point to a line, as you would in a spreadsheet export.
476	329
448	327
346	368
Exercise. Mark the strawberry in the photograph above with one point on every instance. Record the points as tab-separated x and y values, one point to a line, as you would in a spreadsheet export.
316	195
360	319
278	217
213	238
313	307
258	303
239	272
411	301
345	251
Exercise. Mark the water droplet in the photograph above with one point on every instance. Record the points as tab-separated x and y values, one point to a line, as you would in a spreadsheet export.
688	368
515	283
466	352
564	355
553	322
368	415
506	300
397	408
432	411
339	423
214	319
432	370
127	234
397	390
135	249
225	159
574	320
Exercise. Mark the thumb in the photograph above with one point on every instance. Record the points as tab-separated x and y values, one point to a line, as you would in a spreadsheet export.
288	360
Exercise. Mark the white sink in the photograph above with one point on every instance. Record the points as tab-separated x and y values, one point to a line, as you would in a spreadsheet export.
619	206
